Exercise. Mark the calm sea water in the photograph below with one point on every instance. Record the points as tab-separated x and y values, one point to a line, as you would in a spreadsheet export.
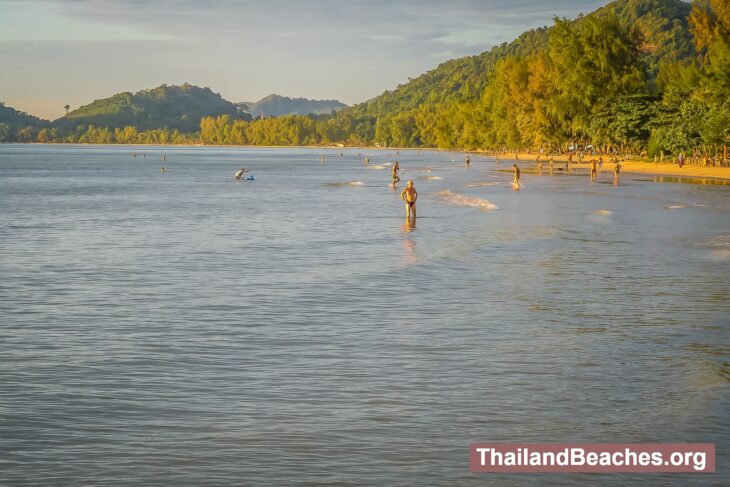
184	329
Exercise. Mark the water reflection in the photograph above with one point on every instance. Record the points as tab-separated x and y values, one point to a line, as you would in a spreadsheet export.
409	245
690	180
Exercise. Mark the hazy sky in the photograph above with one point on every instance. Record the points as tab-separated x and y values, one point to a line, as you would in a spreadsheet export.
55	52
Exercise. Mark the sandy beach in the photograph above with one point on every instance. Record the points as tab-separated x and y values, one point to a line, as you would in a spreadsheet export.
636	166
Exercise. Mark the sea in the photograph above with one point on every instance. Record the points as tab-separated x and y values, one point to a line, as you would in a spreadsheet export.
182	328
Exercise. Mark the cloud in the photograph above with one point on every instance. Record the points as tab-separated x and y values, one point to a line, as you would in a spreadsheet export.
411	20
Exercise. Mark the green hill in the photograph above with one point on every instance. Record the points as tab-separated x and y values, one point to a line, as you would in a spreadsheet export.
171	107
277	105
663	25
457	79
17	125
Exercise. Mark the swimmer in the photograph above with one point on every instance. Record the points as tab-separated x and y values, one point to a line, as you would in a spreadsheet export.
394	173
239	173
516	180
409	195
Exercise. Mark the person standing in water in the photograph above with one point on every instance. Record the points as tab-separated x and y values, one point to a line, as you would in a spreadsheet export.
516	180
409	196
239	173
594	170
468	161
394	173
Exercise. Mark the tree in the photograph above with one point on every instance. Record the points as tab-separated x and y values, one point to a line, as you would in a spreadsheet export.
587	61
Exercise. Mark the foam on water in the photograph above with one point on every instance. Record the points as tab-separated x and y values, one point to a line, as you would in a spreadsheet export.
602	212
449	198
434	178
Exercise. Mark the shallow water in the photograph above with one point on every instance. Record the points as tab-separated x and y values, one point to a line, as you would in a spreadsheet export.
186	329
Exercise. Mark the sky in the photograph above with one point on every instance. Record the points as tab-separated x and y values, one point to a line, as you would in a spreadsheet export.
58	52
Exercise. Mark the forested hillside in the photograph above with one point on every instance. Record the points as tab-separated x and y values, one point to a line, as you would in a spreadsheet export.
172	107
17	125
639	76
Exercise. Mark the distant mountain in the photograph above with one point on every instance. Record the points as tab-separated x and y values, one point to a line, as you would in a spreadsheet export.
13	121
277	105
173	107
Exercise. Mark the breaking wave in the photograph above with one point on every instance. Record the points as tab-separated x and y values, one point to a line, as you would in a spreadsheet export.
448	198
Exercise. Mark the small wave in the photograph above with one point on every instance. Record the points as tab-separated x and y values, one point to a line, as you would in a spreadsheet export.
433	178
449	198
602	212
479	185
355	183
376	166
674	207
719	241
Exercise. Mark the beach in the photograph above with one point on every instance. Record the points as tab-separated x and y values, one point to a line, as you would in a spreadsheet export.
629	165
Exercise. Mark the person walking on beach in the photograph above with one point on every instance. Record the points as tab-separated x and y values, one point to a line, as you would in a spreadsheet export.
394	173
516	180
409	196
